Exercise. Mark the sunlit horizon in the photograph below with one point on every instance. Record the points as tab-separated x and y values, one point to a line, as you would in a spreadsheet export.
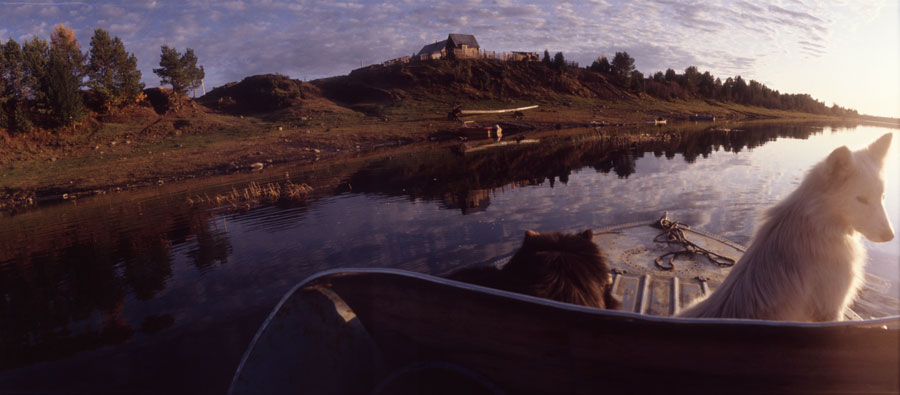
846	53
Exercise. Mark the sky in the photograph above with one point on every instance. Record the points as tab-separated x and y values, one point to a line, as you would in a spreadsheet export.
843	51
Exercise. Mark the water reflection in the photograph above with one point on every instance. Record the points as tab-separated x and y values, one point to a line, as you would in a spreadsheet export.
212	245
466	182
65	279
76	278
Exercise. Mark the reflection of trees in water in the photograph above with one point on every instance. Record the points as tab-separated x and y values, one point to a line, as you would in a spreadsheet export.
64	289
64	292
465	182
212	245
693	145
471	201
147	262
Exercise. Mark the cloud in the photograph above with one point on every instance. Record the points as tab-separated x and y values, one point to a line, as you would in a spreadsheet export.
312	38
49	11
794	14
235	5
111	11
124	29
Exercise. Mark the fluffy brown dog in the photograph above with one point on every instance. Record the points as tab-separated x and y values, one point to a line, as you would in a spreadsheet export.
559	266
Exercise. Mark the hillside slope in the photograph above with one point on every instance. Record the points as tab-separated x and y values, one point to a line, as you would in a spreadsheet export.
273	96
475	79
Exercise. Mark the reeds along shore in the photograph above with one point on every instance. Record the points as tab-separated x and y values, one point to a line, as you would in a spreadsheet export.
254	194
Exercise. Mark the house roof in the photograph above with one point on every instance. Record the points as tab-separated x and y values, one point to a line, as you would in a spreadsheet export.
459	39
432	48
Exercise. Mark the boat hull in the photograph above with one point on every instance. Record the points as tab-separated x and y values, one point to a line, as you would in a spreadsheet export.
352	331
475	132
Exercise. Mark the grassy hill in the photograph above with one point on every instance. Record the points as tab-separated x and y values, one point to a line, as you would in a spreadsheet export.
464	82
272	119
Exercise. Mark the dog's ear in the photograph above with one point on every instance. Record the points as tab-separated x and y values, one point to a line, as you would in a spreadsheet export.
878	150
530	238
839	161
588	234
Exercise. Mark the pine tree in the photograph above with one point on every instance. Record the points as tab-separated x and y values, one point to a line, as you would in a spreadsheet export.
559	62
622	66
740	90
546	59
63	92
3	98
64	78
179	71
706	85
691	79
113	72
601	65
637	81
67	49
728	89
605	66
12	89
671	76
36	54
12	73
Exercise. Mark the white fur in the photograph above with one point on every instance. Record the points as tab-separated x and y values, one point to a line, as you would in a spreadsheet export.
806	259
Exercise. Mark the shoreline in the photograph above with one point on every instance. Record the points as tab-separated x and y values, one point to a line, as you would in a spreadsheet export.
153	150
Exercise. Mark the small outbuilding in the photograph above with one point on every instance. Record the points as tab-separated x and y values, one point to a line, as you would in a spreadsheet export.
520	56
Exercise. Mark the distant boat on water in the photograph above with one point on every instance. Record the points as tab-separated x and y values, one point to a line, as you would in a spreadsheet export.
470	129
708	118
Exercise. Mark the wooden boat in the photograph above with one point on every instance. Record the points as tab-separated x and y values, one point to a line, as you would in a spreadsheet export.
696	117
477	112
473	130
385	331
515	127
475	148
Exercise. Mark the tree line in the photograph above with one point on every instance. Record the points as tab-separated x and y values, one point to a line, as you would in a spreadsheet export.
691	84
53	84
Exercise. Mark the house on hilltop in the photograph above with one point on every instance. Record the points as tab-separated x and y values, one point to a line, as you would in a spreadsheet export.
462	46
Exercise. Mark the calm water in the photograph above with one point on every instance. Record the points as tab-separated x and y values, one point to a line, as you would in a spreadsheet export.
140	293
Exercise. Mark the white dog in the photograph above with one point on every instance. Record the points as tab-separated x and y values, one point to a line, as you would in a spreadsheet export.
806	259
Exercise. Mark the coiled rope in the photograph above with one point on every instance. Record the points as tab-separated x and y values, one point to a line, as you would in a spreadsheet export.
673	234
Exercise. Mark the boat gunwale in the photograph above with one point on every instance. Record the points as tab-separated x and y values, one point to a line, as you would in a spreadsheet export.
626	315
584	309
